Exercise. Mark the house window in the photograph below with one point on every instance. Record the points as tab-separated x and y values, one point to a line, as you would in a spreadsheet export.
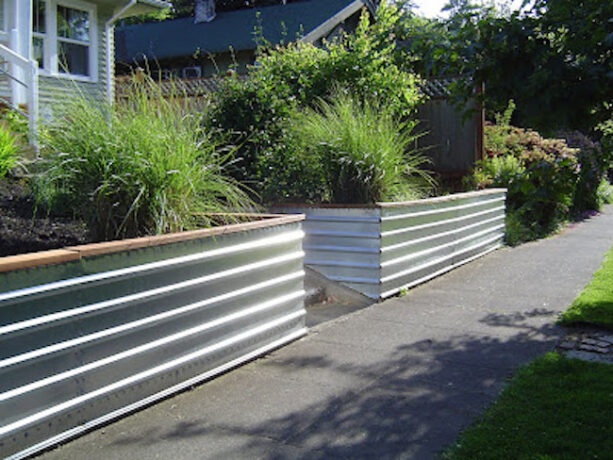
39	32
63	37
73	28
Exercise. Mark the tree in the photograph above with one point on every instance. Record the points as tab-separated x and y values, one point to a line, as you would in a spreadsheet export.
555	61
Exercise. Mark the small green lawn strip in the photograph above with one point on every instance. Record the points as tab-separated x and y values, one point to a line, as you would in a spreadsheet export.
553	408
595	303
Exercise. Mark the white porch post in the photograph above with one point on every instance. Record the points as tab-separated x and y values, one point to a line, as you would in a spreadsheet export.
20	41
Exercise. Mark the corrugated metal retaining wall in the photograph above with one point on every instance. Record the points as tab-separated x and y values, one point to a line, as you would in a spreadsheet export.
86	341
381	249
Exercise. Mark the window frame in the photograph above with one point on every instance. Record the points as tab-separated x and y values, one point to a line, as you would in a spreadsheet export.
44	37
51	41
4	33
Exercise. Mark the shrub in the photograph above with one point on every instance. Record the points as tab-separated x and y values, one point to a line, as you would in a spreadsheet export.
605	192
506	169
9	149
254	111
140	167
541	179
15	122
363	149
606	142
594	163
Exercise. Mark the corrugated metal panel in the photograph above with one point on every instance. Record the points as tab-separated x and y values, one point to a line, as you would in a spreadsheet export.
380	250
421	241
344	245
101	336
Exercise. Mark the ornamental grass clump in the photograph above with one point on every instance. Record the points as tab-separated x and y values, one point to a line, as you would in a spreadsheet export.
143	166
253	112
363	150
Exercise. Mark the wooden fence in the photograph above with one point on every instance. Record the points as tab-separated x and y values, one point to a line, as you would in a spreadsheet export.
453	142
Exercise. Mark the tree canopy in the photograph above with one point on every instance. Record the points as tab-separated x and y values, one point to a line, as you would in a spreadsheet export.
554	58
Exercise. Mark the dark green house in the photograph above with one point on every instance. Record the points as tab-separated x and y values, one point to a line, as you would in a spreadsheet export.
207	43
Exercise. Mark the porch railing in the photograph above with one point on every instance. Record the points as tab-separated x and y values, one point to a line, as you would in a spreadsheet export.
23	76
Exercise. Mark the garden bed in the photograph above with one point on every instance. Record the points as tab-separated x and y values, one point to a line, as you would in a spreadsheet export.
21	231
381	249
92	332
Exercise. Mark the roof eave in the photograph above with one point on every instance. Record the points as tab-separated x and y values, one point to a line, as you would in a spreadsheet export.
325	28
143	7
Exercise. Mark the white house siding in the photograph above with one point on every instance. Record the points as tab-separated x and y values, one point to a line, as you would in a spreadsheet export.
54	90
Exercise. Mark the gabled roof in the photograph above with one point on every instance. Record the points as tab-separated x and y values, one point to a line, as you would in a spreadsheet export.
231	29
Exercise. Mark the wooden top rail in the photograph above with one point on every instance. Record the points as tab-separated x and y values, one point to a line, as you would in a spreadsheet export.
72	253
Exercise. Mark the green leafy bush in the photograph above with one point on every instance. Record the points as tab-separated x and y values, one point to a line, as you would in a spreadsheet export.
254	111
364	150
605	192
140	167
606	142
15	122
506	169
9	149
541	179
594	162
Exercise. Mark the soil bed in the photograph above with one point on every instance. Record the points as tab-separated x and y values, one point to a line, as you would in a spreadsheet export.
21	233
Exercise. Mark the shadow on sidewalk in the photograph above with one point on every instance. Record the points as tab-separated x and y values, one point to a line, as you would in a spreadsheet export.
409	403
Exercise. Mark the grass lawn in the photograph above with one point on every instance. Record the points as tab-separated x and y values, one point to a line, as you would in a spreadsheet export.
554	408
595	303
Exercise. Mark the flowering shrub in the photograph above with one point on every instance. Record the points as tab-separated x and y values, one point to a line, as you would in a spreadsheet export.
541	178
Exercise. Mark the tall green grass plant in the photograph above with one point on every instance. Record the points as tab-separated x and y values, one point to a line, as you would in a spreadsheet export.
366	153
142	166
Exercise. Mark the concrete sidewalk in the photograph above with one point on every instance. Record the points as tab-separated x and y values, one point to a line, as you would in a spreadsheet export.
398	379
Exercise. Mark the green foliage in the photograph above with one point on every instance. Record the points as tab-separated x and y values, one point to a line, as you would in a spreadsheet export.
140	167
363	150
515	231
594	162
594	304
556	62
540	175
507	169
605	129
9	150
160	15
554	407
254	111
605	192
15	122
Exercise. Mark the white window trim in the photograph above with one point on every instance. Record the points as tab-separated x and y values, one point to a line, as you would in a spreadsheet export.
4	26
51	67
